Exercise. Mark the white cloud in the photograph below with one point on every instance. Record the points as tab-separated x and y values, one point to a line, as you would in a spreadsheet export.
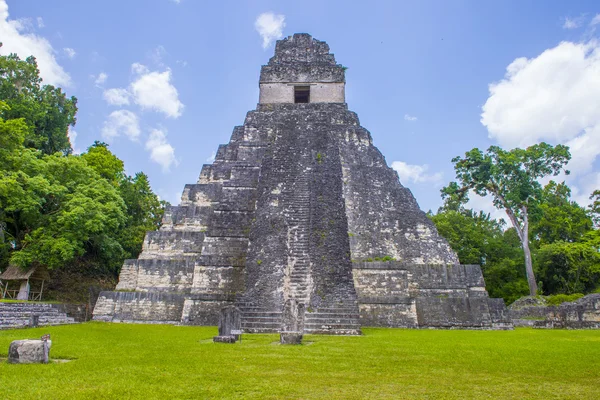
100	79
212	157
40	22
573	23
416	173
116	96
552	97
161	152
121	122
69	52
138	68
72	134
153	90
15	39
157	55
410	118
175	1
270	27
595	20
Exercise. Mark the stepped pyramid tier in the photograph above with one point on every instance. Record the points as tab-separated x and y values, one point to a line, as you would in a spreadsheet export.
296	207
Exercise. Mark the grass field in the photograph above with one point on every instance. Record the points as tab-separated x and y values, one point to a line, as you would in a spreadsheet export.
155	361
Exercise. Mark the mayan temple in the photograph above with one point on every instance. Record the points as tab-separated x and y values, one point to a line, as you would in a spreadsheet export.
300	205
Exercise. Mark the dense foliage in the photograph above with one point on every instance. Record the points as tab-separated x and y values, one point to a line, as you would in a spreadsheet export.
80	213
560	234
46	110
479	239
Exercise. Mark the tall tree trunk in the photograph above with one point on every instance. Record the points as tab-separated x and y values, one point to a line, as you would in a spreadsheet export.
523	232
529	266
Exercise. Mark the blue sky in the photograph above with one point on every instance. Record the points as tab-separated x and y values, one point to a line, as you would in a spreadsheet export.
164	82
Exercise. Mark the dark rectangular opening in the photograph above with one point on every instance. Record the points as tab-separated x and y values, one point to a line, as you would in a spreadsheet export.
301	94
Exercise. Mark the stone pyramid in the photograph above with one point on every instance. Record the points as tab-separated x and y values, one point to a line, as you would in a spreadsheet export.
300	206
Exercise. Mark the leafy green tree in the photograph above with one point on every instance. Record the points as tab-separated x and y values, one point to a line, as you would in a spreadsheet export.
45	109
557	218
103	161
54	207
570	267
511	178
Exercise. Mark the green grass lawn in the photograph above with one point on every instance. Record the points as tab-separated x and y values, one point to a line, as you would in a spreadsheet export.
157	361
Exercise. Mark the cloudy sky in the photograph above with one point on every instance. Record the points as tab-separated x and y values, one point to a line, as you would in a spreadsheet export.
165	81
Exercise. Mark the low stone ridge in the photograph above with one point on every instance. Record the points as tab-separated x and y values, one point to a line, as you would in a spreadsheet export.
290	337
25	315
294	208
581	314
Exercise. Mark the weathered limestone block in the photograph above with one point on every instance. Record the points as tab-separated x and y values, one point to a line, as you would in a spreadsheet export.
289	337
439	312
29	351
293	316
204	310
499	314
170	275
172	243
147	307
580	314
209	279
230	319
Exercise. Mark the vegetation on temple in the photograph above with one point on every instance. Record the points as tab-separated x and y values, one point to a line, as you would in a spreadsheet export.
560	246
76	213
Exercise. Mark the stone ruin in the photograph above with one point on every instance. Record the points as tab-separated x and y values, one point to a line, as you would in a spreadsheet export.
531	311
300	205
30	351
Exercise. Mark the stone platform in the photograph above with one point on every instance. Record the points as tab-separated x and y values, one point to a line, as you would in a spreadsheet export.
18	315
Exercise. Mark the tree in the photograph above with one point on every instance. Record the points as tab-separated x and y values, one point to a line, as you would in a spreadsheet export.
46	110
511	178
570	267
144	212
479	239
595	207
55	208
557	218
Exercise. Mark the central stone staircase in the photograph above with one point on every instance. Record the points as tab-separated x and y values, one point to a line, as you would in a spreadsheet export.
17	315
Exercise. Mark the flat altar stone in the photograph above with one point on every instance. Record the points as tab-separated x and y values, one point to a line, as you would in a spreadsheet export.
225	339
290	337
29	351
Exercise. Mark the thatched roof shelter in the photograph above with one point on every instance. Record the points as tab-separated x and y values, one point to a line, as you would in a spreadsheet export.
24	276
15	273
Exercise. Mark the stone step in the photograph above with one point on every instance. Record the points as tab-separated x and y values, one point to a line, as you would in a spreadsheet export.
346	319
263	325
262	319
336	331
328	326
331	317
261	330
273	314
41	318
27	309
23	311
